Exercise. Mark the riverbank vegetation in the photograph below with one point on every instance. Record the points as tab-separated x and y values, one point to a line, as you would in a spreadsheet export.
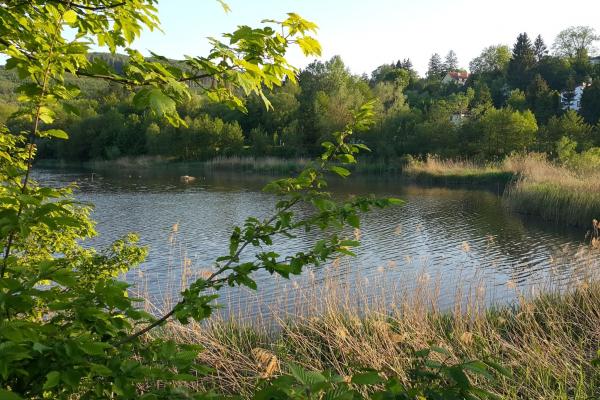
70	327
561	192
546	343
513	101
558	194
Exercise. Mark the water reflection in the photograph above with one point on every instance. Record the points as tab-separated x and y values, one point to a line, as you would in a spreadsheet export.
447	237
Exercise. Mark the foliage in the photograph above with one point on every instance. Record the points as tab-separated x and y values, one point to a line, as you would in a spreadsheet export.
575	40
68	326
590	103
491	59
414	115
522	62
429	379
506	131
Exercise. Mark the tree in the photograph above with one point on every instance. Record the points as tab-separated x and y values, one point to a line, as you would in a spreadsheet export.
540	49
492	59
517	100
590	103
69	328
555	71
436	67
406	64
568	95
505	131
543	101
451	62
571	126
574	40
522	62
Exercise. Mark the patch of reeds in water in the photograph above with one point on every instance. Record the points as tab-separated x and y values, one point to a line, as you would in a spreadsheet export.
273	165
547	337
443	171
553	192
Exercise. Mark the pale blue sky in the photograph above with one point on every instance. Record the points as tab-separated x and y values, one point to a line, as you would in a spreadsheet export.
371	32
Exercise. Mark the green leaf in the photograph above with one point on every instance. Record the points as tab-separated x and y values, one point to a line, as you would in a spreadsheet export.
353	220
225	6
8	395
70	17
343	172
395	202
309	46
52	379
367	378
56	133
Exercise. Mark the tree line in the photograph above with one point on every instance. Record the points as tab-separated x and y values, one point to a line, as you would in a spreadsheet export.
513	100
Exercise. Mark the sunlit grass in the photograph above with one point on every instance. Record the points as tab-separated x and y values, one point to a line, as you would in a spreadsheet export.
438	170
553	192
535	186
547	338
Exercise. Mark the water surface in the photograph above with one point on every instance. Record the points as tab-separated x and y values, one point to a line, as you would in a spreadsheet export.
443	238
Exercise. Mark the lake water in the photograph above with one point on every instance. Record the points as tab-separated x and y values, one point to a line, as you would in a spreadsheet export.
453	241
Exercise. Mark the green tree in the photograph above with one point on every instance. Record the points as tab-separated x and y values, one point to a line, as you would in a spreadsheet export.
436	67
451	62
492	59
571	126
590	103
575	40
505	131
540	49
522	62
517	100
543	101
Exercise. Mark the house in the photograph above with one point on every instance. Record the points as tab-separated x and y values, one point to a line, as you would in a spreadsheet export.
456	77
572	100
458	118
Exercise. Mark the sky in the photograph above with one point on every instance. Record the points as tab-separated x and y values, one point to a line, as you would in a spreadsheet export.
369	33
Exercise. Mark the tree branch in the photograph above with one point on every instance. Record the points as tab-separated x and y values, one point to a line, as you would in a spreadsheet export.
209	281
89	8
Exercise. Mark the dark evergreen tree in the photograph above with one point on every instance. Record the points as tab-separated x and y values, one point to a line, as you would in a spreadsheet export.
522	62
451	63
568	95
590	103
540	49
543	101
436	67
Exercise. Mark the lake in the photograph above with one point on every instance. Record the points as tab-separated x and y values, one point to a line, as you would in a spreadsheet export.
456	242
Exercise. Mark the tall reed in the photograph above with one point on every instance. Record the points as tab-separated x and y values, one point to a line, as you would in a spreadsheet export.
547	337
555	193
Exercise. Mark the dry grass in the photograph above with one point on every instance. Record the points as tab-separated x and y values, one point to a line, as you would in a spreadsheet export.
435	169
536	186
553	192
257	164
547	340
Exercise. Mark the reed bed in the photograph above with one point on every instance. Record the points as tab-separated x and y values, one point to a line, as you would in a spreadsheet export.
553	192
257	164
547	337
437	170
534	185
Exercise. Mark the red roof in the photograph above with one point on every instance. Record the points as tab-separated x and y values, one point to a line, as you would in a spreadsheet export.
458	75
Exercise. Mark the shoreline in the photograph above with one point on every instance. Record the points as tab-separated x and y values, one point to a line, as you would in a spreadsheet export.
530	185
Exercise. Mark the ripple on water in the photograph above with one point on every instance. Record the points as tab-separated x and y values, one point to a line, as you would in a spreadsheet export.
441	237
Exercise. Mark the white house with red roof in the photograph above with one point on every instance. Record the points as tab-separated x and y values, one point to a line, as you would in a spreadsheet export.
457	77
